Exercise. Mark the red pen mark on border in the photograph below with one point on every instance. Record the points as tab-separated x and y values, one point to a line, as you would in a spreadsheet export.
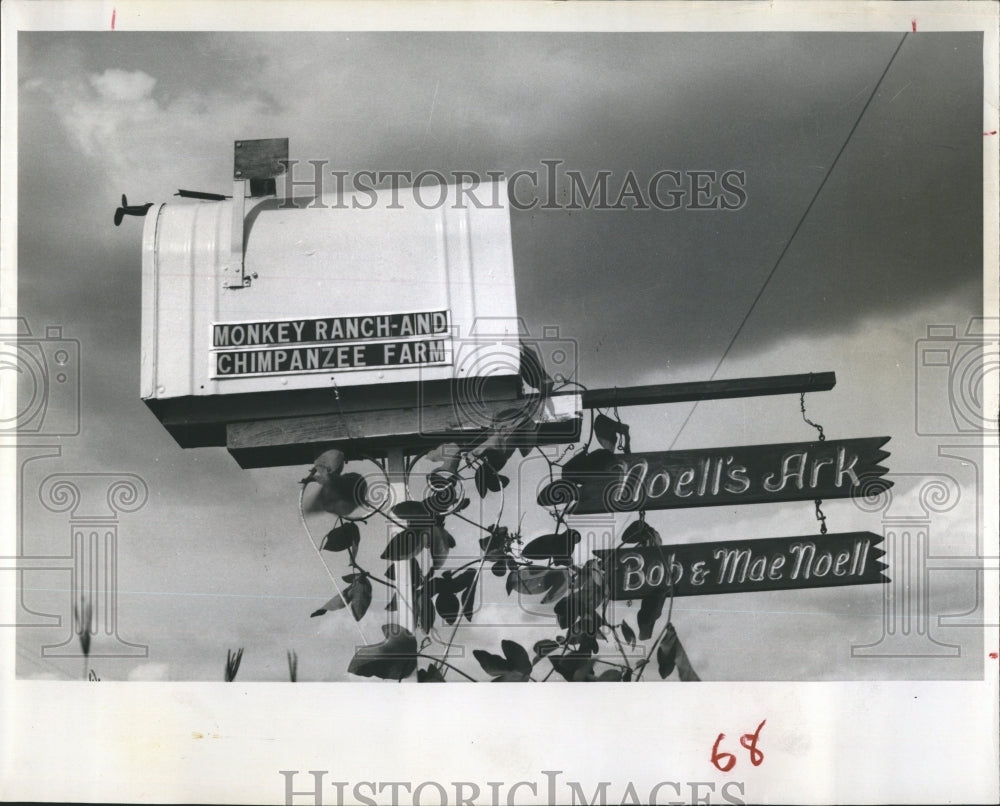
114	11
913	24
990	134
995	655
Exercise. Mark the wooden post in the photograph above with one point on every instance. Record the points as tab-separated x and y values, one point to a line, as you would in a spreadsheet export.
404	615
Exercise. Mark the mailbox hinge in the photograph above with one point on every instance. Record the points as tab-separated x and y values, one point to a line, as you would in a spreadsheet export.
256	162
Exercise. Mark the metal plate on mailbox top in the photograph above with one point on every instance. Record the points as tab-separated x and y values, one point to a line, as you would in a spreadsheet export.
260	159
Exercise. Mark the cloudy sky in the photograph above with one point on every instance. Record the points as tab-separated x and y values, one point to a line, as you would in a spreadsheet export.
217	559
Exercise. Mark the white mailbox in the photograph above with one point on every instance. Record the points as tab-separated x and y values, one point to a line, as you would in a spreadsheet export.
354	302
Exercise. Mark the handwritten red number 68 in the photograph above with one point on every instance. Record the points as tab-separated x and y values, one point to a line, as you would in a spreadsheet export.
724	761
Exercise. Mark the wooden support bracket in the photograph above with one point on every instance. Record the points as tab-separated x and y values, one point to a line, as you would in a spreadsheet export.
297	440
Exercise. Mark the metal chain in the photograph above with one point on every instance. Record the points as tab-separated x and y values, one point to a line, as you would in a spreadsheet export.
822	438
820	516
340	410
802	408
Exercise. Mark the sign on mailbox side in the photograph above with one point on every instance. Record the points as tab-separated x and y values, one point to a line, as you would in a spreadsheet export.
324	344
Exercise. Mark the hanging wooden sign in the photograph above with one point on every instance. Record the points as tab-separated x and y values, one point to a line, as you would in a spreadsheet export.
739	566
752	474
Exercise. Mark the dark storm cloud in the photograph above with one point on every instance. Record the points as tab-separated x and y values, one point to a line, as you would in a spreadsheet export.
897	224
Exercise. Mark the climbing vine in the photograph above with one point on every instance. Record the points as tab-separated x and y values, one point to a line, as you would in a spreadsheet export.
589	644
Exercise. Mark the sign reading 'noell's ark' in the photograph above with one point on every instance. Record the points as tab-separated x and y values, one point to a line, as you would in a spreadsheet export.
794	471
296	346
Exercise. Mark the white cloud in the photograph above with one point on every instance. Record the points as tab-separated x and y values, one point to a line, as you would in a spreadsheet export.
136	140
123	85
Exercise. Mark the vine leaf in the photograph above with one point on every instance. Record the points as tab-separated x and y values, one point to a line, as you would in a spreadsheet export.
346	536
608	431
584	625
532	371
495	452
556	547
488	480
649	611
516	429
511	677
493	665
517	656
441	543
666	652
557	582
343	494
447	583
513	667
413	511
334	604
392	659
481	487
448	606
527	436
404	545
544	647
469	600
424	607
358	595
670	654
628	635
449	456
577	667
327	464
429	675
494	544
527	580
610	676
642	533
585	644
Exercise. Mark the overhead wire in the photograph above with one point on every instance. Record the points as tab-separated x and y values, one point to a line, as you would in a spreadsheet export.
795	232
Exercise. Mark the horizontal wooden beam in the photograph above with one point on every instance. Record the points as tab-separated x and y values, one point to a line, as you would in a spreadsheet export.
275	440
708	390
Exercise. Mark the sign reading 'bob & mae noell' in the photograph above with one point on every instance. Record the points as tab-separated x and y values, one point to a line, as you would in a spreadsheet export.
323	344
738	566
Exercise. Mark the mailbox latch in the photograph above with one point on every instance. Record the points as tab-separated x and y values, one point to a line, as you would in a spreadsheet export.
256	162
